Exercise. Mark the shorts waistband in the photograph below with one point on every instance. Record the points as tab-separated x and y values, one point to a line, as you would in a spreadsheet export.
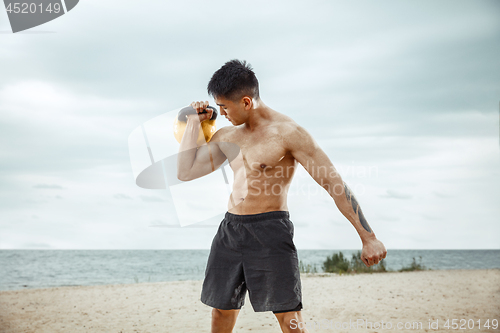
275	215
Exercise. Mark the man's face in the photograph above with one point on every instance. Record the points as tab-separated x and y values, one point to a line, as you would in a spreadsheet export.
233	111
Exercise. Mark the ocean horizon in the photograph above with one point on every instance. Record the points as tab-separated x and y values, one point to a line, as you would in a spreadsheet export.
26	269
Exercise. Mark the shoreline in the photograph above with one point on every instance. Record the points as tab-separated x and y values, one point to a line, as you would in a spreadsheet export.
303	275
174	306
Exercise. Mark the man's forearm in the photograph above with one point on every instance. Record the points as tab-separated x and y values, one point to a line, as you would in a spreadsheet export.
356	208
187	148
350	208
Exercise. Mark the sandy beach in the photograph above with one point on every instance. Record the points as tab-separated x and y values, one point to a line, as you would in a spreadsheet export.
418	300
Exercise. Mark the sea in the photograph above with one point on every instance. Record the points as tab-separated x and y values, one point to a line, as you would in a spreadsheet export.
26	269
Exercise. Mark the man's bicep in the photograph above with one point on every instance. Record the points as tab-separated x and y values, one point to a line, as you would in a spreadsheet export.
316	162
209	157
218	154
306	150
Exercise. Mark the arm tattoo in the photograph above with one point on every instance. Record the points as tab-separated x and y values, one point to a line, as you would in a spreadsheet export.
355	206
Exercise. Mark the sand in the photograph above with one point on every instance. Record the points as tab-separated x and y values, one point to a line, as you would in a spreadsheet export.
331	301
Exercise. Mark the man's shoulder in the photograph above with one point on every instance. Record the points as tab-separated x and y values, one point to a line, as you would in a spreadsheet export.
286	125
292	133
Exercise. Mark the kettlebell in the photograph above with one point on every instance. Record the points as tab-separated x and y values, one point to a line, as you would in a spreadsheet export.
207	126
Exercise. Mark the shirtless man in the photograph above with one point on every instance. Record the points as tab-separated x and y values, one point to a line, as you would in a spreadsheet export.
253	249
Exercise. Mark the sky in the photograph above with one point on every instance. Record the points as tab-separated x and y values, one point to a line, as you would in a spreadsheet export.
402	96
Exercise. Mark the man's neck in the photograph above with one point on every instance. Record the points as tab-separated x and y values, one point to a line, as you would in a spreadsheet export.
259	114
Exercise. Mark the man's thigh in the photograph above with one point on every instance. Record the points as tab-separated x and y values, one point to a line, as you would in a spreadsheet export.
271	266
224	285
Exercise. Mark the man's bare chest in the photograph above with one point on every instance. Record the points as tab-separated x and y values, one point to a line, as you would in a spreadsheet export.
262	150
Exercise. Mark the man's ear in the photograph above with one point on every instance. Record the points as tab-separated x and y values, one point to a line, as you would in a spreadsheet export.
247	102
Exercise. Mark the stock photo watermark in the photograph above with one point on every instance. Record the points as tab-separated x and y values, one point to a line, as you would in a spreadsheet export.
200	198
25	15
365	324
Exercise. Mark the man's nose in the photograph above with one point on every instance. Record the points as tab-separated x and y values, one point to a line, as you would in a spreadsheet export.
222	112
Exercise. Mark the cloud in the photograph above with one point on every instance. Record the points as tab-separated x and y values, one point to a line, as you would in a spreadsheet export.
442	195
147	198
393	194
122	196
37	245
48	186
53	128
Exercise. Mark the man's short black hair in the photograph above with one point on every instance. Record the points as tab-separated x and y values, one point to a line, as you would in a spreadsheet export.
233	81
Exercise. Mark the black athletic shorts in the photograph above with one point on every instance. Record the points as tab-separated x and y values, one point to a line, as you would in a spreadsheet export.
255	253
